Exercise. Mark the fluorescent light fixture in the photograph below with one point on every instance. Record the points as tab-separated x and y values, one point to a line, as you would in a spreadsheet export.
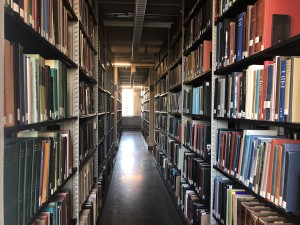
122	64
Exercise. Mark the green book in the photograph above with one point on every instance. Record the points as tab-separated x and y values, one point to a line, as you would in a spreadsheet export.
21	182
274	173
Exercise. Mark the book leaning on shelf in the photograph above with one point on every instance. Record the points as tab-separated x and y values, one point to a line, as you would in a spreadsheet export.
48	18
264	162
262	92
233	205
36	164
35	88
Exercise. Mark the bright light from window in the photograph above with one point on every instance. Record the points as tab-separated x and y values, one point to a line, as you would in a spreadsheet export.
127	102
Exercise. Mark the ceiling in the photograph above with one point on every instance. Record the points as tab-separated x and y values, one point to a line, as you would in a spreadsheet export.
135	31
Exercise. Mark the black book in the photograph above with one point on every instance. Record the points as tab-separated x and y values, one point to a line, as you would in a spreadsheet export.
207	99
17	72
280	28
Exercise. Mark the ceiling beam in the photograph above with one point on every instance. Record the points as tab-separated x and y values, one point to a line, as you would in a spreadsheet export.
113	23
139	16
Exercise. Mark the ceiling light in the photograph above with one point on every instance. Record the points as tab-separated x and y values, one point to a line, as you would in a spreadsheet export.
122	64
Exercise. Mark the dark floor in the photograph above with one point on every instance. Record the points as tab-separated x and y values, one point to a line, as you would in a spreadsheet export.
136	194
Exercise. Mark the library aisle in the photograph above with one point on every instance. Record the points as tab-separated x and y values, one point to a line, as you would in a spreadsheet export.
136	193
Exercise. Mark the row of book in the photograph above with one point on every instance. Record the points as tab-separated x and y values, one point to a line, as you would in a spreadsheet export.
199	24
145	115
49	19
163	123
175	76
199	61
174	102
261	92
197	173
262	25
145	125
146	106
87	138
101	127
161	87
58	212
162	68
86	98
266	163
90	209
86	181
176	51
156	120
163	142
197	137
35	88
161	104
36	163
175	128
173	151
101	102
233	205
195	211
197	100
86	19
86	56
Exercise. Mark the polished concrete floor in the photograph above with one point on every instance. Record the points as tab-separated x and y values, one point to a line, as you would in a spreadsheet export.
136	193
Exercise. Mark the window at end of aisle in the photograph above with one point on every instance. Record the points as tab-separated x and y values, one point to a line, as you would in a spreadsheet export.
127	102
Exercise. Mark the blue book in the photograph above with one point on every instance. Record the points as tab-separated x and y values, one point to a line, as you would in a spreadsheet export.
282	91
274	173
240	29
291	193
269	91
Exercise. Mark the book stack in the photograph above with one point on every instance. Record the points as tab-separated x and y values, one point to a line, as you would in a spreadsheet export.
264	162
163	123
173	151
196	100
175	52
86	181
101	102
198	25
58	211
193	208
175	76
197	137
36	163
87	138
49	20
86	98
233	205
174	102
163	142
163	103
35	88
101	127
90	209
197	173
259	27
199	61
175	128
261	92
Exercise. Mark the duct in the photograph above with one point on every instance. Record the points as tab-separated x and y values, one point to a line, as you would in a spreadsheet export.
139	16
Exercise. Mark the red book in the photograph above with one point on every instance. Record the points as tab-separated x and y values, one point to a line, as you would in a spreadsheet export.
207	49
265	10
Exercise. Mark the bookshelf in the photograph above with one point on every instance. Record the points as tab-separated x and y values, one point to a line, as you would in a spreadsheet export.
83	117
226	68
145	111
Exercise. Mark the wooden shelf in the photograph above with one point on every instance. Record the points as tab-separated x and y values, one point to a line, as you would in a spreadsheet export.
71	14
197	117
188	148
174	39
193	12
87	37
88	116
175	88
88	157
91	10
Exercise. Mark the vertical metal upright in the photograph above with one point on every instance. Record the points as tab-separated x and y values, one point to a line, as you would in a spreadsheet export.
1	112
